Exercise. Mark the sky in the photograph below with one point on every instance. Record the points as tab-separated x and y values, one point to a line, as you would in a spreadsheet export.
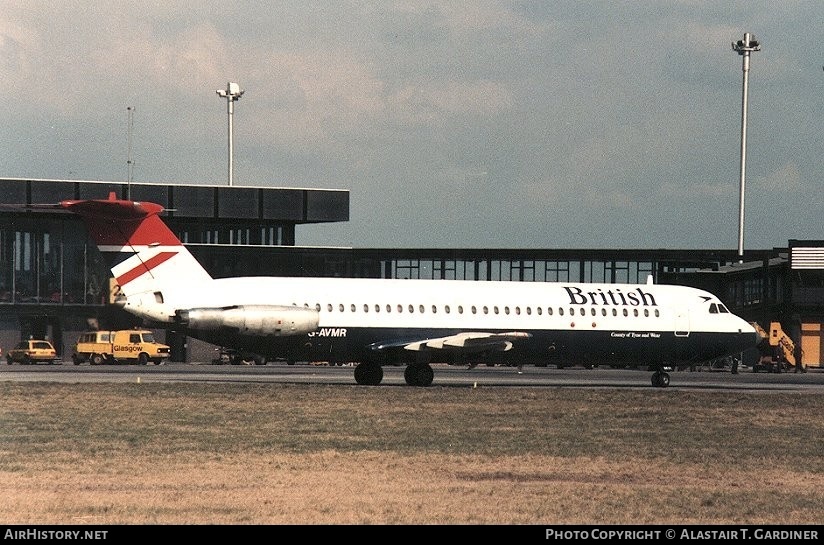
482	124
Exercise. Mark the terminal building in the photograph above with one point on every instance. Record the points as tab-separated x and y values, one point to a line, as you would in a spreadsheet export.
55	285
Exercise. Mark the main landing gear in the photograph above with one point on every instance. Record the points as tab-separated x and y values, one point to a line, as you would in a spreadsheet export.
415	374
368	374
419	374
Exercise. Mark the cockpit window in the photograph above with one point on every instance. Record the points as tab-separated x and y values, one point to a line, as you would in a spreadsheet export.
713	308
718	308
722	308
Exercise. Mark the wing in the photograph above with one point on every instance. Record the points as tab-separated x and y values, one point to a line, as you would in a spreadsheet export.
469	341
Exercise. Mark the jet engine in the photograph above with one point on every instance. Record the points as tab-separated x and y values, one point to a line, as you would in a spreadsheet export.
263	320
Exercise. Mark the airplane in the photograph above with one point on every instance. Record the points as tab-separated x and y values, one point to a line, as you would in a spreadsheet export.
376	322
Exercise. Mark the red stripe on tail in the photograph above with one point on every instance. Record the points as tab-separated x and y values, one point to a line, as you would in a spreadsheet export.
144	267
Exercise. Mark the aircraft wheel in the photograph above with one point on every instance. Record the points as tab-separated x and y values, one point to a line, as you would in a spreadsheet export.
660	379
368	374
419	375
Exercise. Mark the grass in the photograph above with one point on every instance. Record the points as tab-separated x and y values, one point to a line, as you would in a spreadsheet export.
315	454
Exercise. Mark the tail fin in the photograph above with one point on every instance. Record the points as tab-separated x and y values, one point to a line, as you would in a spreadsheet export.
144	255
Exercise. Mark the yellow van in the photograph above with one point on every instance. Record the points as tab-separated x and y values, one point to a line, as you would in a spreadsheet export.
122	346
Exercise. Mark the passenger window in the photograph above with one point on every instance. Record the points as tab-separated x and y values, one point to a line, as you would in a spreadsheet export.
656	312
495	309
460	309
486	310
446	309
626	312
329	307
340	307
539	311
603	312
615	312
421	308
365	308
352	307
377	308
560	311
528	311
434	309
474	310
388	308
400	308
646	313
506	310
549	311
411	309
635	312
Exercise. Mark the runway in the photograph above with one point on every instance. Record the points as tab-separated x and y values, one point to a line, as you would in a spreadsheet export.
445	376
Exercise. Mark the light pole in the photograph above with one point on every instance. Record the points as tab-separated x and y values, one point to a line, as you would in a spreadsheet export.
129	161
744	48
232	93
